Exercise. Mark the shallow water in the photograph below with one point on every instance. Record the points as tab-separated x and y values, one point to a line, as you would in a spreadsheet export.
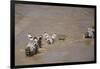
73	22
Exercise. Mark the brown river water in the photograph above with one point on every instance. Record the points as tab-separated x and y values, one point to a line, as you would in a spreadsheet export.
70	21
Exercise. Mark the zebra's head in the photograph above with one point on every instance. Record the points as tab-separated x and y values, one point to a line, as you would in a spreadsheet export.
29	36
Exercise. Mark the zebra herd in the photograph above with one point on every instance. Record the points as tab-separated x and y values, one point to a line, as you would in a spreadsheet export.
35	43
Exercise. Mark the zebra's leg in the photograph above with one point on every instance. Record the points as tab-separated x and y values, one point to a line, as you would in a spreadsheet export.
36	49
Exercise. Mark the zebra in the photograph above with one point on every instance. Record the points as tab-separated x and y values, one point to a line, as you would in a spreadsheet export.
40	41
32	46
90	33
31	49
53	37
48	38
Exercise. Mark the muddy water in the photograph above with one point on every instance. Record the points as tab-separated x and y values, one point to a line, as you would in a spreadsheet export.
72	22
